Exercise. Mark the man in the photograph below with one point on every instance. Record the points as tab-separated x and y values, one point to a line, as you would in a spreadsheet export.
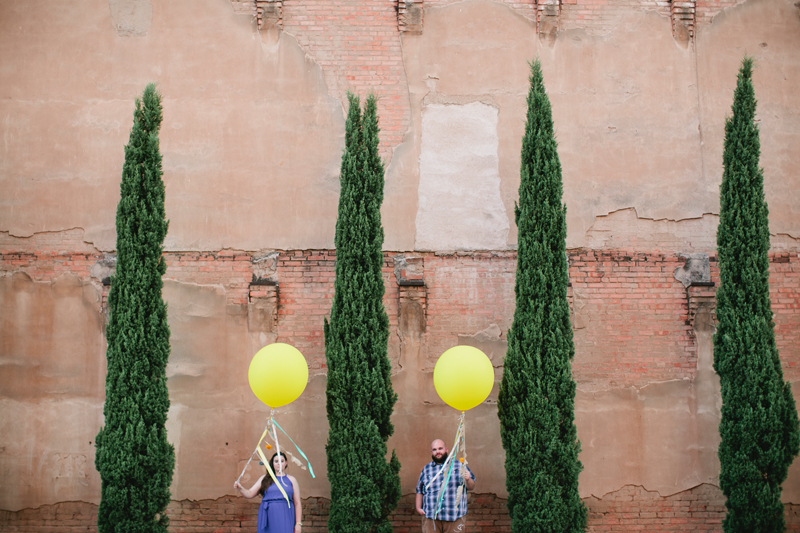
450	517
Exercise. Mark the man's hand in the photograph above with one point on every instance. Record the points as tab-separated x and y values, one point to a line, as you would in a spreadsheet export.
420	511
468	481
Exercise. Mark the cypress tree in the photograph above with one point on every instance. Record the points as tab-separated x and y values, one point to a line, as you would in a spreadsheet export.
365	487
537	393
133	456
759	427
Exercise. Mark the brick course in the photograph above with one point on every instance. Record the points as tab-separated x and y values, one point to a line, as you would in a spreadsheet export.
357	44
630	509
631	316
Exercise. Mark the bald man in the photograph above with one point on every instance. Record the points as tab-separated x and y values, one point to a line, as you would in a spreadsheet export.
449	518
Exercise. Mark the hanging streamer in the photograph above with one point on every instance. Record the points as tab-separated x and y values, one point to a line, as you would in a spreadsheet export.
310	470
251	455
271	433
273	437
460	492
272	475
265	461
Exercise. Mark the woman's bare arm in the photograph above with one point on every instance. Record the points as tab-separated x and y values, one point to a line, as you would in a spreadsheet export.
298	504
252	491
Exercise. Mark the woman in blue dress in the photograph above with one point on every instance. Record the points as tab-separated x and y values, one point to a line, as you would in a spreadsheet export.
275	514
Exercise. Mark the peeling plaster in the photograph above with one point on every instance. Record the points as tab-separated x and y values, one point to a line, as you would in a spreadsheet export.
624	229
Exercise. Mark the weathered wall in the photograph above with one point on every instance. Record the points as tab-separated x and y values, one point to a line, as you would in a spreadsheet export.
254	122
248	124
768	32
252	139
52	376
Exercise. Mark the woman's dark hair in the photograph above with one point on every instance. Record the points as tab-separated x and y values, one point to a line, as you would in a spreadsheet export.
267	481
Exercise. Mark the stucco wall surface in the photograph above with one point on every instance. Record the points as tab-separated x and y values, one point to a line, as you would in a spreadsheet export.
252	135
770	33
52	375
251	141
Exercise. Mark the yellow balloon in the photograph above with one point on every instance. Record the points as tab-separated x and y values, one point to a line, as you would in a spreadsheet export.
463	377
278	374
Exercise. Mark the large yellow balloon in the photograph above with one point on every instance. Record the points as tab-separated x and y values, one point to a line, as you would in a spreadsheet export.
463	377
278	374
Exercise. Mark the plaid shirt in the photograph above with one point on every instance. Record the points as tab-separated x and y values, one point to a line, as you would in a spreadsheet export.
451	510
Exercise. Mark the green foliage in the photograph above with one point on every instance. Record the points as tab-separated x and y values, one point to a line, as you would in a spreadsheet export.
133	456
365	488
759	426
537	393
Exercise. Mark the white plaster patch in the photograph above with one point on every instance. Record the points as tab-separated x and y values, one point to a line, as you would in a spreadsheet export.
459	180
132	18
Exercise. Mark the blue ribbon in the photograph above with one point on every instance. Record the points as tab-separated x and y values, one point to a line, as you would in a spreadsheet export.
446	479
310	470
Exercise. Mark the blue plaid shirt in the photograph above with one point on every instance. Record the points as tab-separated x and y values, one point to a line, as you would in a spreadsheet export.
451	509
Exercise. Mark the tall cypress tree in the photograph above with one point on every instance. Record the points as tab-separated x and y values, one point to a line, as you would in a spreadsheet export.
133	456
365	488
759	426
537	393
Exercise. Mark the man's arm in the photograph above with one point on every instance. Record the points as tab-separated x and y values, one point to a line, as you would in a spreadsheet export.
470	483
469	479
420	510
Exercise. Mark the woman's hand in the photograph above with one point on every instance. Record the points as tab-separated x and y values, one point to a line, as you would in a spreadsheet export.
298	527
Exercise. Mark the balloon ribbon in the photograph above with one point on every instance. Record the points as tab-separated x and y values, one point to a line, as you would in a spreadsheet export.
269	431
310	470
269	468
460	441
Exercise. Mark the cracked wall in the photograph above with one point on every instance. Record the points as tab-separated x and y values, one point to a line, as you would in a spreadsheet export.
248	123
254	119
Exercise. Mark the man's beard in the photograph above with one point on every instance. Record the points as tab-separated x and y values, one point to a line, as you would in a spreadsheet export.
441	460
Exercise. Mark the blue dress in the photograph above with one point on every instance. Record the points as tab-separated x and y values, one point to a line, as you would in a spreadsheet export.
274	514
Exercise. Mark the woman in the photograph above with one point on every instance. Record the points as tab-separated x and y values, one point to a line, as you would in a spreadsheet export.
275	515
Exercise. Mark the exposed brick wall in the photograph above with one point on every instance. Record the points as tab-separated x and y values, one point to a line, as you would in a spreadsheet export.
305	289
630	509
466	294
357	44
230	269
631	318
46	256
633	508
784	287
65	517
305	297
